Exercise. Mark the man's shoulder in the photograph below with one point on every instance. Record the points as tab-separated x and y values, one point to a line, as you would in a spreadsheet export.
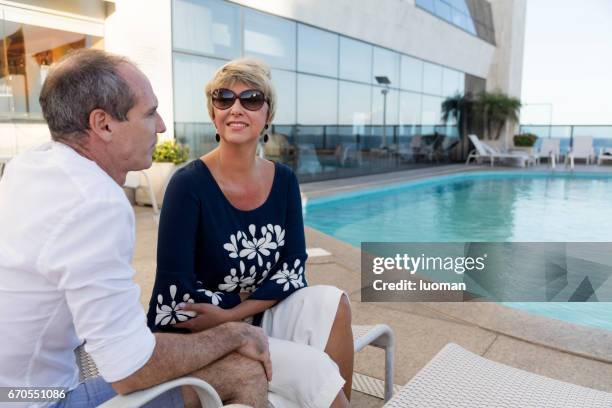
54	170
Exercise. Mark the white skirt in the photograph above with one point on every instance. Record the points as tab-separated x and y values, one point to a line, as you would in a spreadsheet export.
303	375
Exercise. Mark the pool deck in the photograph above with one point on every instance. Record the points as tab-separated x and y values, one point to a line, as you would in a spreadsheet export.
553	348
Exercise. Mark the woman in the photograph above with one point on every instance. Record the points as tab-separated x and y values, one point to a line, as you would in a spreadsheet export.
231	248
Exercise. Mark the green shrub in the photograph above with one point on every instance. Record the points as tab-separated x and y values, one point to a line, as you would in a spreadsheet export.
525	140
171	152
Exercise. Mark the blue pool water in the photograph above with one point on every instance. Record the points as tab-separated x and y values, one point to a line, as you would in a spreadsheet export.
485	207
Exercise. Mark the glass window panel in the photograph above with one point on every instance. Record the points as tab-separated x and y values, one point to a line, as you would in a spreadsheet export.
191	73
317	51
207	27
284	85
432	78
460	5
443	10
355	104
451	82
317	103
26	55
459	19
470	25
377	106
386	63
355	60
431	112
410	109
426	4
269	38
412	73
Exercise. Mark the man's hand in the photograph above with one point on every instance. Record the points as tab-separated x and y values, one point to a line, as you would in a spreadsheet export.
207	316
255	346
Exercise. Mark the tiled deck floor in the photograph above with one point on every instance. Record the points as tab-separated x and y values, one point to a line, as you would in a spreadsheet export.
552	348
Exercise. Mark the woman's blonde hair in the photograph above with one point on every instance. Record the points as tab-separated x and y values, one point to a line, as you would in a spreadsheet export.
251	72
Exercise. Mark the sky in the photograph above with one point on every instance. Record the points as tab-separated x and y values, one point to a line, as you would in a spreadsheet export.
567	63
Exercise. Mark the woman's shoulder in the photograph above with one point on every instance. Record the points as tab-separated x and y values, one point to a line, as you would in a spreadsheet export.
284	172
188	176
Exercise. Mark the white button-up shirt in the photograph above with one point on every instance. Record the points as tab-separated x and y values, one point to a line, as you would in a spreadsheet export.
66	243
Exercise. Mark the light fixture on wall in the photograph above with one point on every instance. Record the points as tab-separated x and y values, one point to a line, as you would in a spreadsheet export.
384	81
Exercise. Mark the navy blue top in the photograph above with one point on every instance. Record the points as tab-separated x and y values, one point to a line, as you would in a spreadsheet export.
208	250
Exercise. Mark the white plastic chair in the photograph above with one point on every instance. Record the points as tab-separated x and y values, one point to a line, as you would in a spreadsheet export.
549	149
3	162
582	148
603	157
483	150
380	336
132	180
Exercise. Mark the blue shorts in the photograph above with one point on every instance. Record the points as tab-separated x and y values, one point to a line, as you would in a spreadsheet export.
96	391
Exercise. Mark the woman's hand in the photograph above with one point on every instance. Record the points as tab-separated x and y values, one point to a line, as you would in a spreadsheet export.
207	316
244	296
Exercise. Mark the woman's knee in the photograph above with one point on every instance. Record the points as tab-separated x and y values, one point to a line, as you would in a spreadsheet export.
344	309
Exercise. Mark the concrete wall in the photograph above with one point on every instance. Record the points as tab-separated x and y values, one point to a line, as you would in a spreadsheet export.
509	18
395	24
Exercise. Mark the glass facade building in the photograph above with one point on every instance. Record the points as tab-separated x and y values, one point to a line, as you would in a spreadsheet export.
330	115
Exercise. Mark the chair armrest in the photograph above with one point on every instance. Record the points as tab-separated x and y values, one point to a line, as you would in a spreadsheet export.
208	396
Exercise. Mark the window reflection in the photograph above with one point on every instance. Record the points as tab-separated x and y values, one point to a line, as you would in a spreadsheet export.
474	16
269	38
452	82
354	105
432	79
284	85
410	112
26	55
386	63
355	60
317	51
207	27
412	73
318	101
378	106
191	73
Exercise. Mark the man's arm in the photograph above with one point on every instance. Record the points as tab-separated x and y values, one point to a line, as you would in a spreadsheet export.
177	355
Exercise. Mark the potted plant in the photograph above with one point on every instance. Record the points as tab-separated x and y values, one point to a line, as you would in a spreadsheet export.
167	157
525	141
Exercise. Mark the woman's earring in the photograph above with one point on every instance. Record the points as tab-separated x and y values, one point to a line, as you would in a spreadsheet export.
217	137
265	138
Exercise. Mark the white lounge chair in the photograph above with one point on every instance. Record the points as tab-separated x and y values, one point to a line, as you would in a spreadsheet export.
379	335
482	150
3	162
132	180
549	149
582	148
456	377
605	155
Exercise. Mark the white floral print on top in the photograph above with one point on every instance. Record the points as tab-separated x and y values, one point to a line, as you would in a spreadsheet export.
257	247
171	314
289	277
252	248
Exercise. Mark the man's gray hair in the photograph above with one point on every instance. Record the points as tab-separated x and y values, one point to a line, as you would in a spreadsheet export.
84	80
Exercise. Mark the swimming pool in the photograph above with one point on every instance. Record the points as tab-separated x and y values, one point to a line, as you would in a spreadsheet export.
484	207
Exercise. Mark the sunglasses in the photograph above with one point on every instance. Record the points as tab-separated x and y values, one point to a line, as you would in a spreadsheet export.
250	99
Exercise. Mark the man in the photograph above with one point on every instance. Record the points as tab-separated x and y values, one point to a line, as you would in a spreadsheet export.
65	250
